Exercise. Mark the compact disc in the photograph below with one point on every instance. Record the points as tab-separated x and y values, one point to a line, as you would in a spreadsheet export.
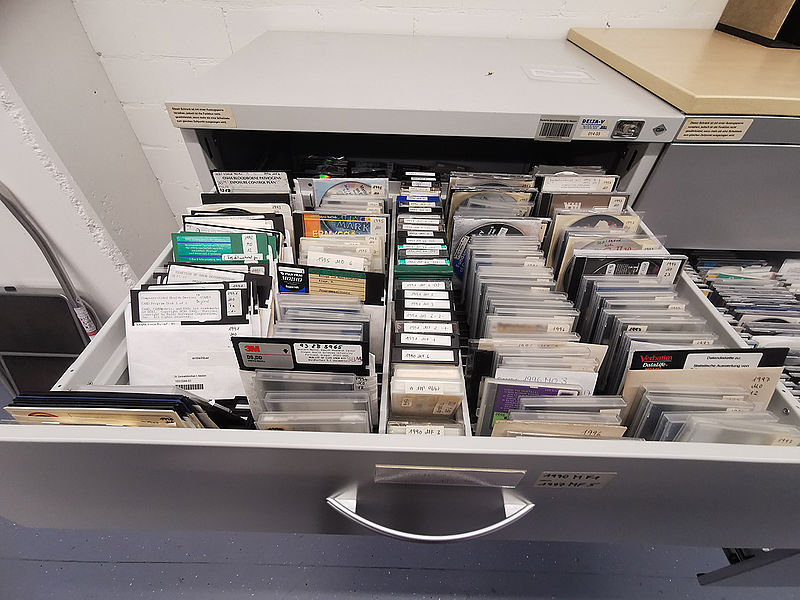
600	220
349	188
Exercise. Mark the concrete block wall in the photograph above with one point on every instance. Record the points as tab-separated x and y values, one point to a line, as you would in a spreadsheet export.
150	47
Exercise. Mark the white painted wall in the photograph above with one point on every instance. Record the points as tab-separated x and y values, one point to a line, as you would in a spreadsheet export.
30	168
150	47
46	55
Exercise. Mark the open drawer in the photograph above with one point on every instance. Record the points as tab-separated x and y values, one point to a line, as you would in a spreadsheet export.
583	490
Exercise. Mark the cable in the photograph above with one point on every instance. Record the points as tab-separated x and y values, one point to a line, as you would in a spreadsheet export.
83	311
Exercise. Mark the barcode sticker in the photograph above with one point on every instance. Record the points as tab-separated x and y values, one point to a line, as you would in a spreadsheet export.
556	129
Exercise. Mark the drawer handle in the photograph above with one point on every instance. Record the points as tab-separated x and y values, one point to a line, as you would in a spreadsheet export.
515	508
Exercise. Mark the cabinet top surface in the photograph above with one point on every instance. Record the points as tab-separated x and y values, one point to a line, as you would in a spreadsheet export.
701	71
418	73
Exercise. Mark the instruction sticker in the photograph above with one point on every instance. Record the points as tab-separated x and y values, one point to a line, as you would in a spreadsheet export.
710	130
209	116
251	182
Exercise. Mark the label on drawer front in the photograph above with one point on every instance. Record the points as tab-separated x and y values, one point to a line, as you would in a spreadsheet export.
709	130
573	479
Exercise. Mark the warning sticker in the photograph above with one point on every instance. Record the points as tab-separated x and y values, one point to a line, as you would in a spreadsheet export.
207	116
709	130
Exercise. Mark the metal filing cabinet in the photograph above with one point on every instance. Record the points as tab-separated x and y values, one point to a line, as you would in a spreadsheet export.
482	92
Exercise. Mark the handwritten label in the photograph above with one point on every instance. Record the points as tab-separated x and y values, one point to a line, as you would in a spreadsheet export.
446	407
427	355
573	480
425	430
559	328
426	315
243	256
424	340
616	203
669	270
428	327
198	305
435	304
233	299
427	294
337	261
423	285
423	388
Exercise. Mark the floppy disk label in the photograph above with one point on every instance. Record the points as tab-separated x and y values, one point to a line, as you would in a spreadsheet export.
308	353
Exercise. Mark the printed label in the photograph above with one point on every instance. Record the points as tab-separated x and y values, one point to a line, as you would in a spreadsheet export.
201	116
420	209
732	360
422	221
424	261
251	182
427	355
424	340
578	183
593	128
706	342
428	327
573	479
714	129
418	229
307	353
421	234
266	355
423	251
